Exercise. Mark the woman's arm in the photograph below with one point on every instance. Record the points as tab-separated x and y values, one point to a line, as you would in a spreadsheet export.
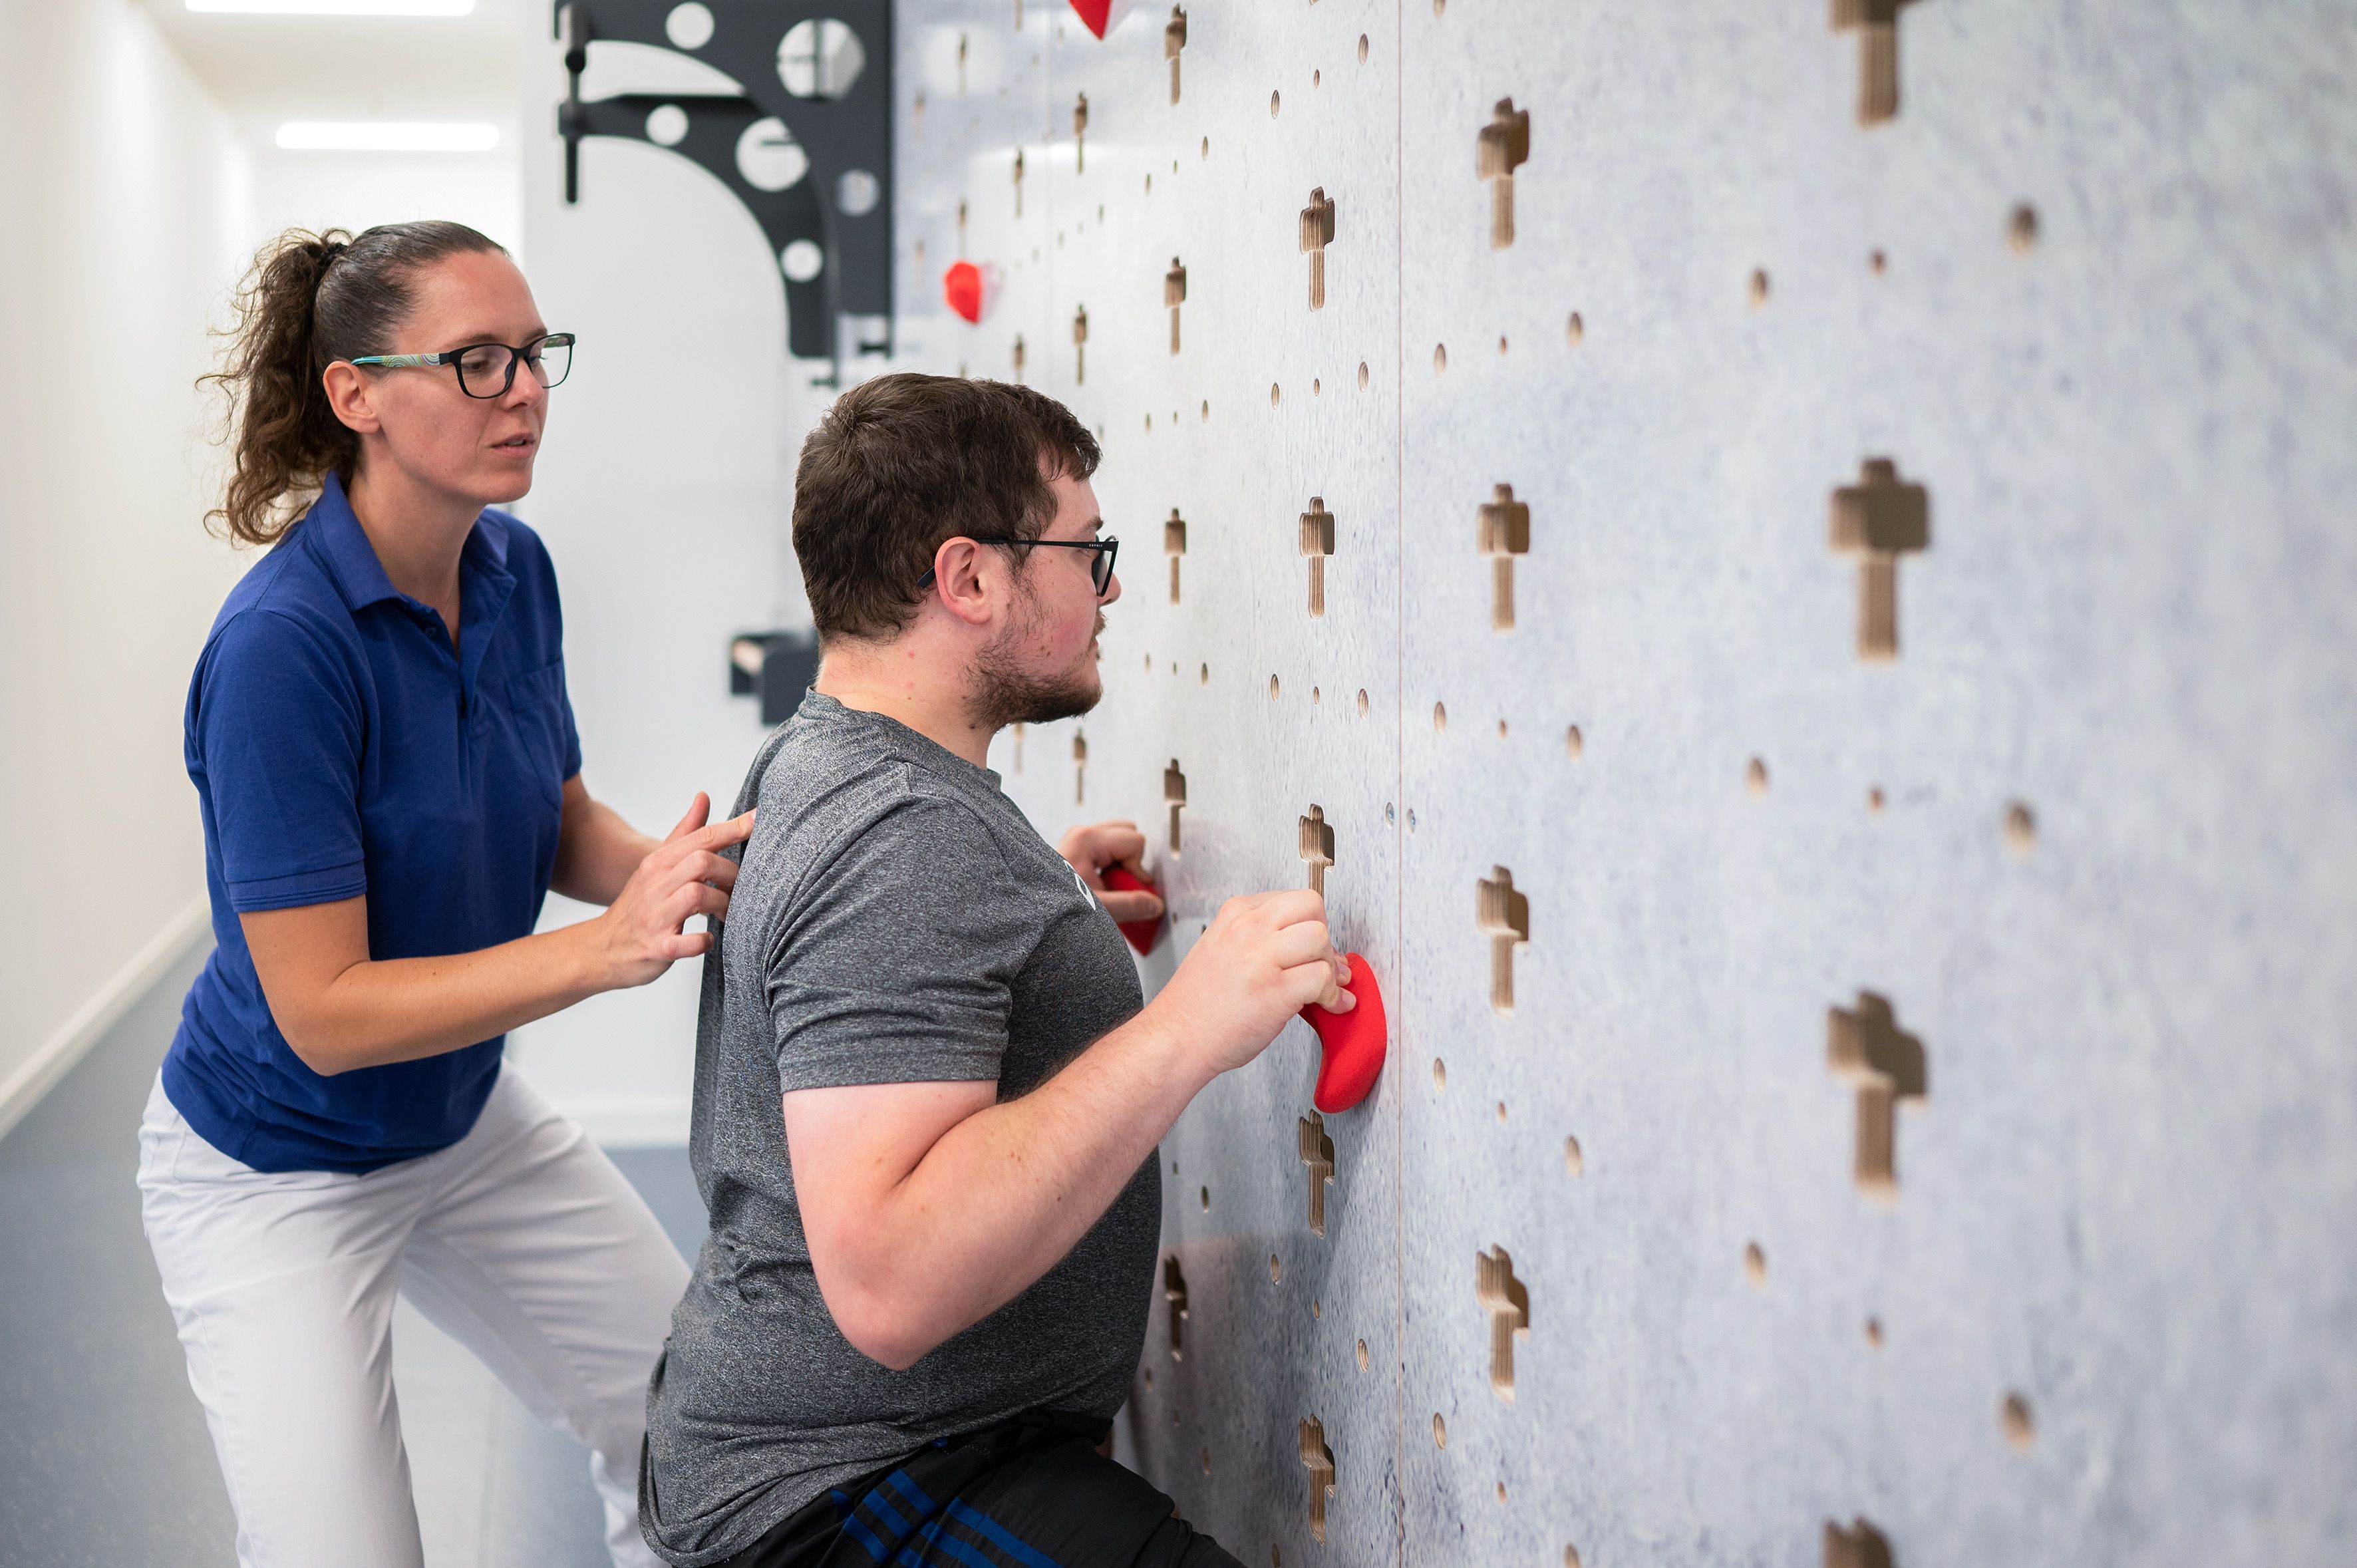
339	1009
596	851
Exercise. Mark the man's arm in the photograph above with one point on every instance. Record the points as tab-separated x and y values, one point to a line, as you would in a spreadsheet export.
929	1206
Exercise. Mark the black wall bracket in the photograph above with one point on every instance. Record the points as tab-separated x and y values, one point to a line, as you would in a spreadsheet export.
839	214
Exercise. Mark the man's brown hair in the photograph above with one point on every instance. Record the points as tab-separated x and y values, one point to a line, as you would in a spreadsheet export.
903	462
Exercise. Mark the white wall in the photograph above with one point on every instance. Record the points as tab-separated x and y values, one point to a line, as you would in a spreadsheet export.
125	192
663	494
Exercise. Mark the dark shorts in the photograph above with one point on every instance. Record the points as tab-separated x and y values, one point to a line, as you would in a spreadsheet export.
1032	1493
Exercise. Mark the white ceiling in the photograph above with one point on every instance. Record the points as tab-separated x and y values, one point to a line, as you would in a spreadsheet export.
265	70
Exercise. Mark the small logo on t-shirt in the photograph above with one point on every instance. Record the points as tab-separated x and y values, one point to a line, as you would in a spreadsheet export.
1078	881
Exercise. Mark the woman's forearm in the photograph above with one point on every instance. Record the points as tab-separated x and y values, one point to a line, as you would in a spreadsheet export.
398	1010
596	851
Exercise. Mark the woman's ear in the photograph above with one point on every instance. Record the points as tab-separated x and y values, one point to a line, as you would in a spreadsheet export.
351	397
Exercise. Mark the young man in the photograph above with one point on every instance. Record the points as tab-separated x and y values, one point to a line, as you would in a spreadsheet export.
927	1099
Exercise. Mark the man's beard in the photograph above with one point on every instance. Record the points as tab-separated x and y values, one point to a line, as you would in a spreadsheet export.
1005	694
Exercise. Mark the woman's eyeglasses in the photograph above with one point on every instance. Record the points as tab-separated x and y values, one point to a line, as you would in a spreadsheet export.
1100	569
488	369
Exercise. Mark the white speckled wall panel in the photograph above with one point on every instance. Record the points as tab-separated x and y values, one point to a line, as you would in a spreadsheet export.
2091	832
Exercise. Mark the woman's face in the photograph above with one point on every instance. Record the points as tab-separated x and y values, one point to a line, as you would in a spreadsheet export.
479	450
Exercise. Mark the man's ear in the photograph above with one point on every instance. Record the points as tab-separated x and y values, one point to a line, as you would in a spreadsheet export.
967	581
351	397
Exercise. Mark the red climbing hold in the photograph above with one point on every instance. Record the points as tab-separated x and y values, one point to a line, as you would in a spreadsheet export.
962	286
1101	16
1353	1044
1142	934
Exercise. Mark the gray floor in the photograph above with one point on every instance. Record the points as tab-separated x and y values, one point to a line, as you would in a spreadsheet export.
104	1457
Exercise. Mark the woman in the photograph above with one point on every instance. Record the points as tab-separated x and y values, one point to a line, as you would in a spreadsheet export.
390	779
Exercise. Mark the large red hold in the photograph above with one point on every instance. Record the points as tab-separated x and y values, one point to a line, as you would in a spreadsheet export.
962	286
1352	1044
1100	17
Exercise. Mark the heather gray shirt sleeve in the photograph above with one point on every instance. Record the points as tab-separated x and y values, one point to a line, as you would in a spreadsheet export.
899	965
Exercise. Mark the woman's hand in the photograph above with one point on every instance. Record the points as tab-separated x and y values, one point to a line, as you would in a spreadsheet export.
642	932
1091	849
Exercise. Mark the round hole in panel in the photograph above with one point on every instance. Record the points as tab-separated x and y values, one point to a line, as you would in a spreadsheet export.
1440	718
1363	375
802	260
1440	357
1272	688
1759	288
1362	48
667	125
768	156
1754	1264
1276	1270
1271	105
1439	1431
1362	702
1572	743
2020	1430
856	192
1571	1156
819	57
1207	676
1206	1196
1439	1067
1362	1355
688	26
2021	230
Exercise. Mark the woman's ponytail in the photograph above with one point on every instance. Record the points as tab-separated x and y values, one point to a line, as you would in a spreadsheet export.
308	301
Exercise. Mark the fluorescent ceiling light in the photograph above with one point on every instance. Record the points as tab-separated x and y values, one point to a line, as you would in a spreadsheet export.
387	136
336	7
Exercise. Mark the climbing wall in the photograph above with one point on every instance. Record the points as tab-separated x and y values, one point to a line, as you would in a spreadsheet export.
1788	564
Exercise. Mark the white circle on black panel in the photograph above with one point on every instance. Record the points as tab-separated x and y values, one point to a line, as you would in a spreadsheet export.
856	193
689	26
802	260
819	58
768	156
667	125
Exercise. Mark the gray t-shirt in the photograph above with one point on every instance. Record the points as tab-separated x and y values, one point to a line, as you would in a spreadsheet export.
896	920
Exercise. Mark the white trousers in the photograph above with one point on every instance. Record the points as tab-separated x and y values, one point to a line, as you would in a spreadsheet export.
522	1241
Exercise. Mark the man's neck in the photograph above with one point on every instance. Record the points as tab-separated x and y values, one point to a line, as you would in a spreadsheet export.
900	680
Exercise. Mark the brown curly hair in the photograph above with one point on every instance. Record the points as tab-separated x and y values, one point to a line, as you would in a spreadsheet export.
308	301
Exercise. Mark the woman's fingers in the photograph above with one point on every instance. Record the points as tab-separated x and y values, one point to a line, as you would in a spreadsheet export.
697	811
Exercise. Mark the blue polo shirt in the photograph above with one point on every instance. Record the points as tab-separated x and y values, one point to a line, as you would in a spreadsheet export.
340	750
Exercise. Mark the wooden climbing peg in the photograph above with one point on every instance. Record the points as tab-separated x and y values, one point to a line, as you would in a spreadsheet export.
1174	294
1080	344
1859	1546
1019	358
1019	182
1080	134
1502	146
961	254
1878	520
1174	1291
961	65
1319	1460
1317	847
1317	1154
1876	22
1316	233
1504	530
1503	916
1174	39
1080	768
1174	795
1174	544
1865	1048
1316	543
1508	1302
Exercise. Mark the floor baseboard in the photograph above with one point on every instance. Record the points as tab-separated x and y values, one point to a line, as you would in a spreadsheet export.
55	1056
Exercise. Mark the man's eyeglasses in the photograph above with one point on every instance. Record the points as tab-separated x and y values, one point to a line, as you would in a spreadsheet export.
1100	569
488	369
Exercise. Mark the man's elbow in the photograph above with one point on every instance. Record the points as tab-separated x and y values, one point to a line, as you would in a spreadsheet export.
877	1316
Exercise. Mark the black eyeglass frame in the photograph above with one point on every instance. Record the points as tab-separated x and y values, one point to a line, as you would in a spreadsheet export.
455	357
1100	569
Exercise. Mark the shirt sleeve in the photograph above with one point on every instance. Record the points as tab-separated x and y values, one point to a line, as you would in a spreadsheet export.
897	963
276	728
